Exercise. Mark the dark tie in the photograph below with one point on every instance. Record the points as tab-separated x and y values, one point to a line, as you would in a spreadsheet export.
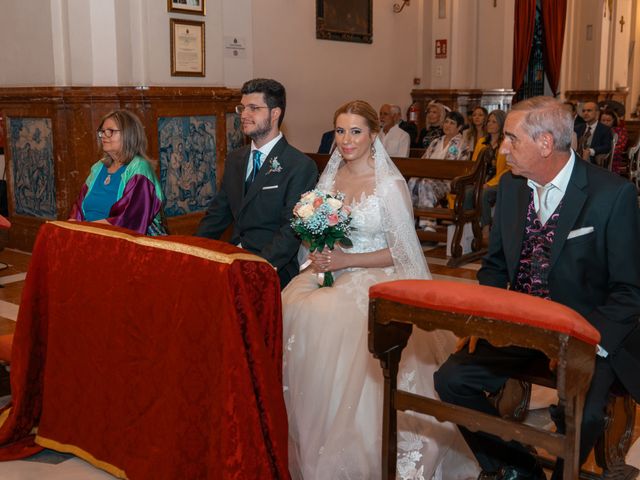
586	138
254	171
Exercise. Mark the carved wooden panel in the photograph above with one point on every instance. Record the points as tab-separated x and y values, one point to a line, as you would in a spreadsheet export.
74	113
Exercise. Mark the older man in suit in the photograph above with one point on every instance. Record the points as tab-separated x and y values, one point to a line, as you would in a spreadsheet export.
563	230
594	138
262	183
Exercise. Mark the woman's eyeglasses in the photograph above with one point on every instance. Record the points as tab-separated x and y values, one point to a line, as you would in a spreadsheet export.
107	132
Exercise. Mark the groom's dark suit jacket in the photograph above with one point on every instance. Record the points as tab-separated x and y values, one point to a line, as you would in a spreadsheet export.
597	273
261	215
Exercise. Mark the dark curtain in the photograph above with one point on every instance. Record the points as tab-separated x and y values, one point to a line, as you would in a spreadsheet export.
554	13
525	18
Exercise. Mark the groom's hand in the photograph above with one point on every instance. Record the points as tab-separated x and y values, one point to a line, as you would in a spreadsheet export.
472	341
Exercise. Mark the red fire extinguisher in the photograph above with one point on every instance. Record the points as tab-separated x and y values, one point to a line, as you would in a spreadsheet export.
413	113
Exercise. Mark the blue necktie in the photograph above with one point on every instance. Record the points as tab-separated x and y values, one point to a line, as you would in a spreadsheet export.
256	166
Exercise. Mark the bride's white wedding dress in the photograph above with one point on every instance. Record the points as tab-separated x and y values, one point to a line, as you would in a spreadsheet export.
334	386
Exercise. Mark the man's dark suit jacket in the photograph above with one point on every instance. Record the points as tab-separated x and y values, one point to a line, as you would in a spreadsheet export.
261	216
597	274
601	140
326	142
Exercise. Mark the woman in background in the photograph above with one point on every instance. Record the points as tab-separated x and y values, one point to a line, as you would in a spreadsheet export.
122	188
611	120
498	165
477	128
427	192
435	118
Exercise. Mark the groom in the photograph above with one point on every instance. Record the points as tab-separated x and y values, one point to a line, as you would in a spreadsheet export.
262	183
564	230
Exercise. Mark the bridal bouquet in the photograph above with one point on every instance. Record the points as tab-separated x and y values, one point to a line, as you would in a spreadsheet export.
321	220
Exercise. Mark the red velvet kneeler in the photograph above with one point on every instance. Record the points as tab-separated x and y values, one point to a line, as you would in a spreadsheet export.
149	357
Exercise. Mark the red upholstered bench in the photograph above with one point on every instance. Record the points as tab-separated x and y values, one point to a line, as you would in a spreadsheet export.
504	318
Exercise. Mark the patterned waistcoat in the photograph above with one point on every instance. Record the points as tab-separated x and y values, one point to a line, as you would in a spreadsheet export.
535	256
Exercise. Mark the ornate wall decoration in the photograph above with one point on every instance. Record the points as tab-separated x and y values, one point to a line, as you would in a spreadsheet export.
32	173
235	137
187	162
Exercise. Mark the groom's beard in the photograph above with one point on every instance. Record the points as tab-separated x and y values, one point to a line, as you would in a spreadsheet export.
260	130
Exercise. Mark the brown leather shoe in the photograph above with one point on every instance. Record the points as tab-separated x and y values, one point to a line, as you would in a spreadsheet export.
512	401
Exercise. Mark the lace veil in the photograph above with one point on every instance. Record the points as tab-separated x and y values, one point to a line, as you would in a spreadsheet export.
397	212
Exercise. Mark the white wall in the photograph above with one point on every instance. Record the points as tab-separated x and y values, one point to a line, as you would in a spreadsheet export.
26	50
320	75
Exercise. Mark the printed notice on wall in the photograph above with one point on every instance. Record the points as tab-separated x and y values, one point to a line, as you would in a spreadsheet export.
235	47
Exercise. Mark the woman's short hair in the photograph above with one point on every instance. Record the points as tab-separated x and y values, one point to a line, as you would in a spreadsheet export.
363	109
456	117
134	140
612	114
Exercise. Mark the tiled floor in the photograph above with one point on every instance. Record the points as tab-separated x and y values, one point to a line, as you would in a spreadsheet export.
51	465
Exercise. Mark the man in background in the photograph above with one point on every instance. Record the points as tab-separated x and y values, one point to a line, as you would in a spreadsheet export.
395	140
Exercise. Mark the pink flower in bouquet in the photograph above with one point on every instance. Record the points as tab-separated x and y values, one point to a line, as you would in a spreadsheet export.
333	219
317	202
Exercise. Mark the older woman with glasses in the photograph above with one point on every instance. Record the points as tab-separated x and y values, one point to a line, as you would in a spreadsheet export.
122	188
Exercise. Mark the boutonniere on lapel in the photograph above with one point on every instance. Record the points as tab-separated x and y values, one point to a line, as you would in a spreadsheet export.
274	166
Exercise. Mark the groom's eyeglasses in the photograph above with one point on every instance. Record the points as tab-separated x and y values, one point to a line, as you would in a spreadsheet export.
252	108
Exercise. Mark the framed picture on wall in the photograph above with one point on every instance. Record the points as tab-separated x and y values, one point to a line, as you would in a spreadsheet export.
187	48
195	7
344	20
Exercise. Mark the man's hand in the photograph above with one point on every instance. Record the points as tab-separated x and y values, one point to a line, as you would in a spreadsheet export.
472	341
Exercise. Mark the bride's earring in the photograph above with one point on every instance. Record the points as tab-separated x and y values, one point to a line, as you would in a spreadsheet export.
373	150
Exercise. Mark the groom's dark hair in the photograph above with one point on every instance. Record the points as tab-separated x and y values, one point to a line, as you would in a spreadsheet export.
273	91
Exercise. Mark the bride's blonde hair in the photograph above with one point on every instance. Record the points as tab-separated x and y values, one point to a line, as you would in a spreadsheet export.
362	108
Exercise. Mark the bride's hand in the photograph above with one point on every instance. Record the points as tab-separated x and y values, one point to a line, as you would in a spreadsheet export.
329	260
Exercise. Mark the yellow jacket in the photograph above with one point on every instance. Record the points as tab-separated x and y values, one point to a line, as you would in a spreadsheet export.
501	163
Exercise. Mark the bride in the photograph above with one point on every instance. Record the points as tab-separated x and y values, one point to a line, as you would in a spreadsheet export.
333	385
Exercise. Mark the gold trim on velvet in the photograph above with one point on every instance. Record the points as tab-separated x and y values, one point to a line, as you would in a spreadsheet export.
163	245
78	452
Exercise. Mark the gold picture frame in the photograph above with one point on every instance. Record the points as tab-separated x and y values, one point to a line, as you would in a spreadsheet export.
187	48
193	7
345	20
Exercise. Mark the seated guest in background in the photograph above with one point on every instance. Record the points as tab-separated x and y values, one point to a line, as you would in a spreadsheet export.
577	120
567	231
594	138
122	188
477	128
498	165
435	118
395	140
611	120
427	192
326	142
410	127
571	108
262	183
333	386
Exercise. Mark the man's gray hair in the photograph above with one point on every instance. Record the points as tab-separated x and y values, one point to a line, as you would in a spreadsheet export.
547	115
395	109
